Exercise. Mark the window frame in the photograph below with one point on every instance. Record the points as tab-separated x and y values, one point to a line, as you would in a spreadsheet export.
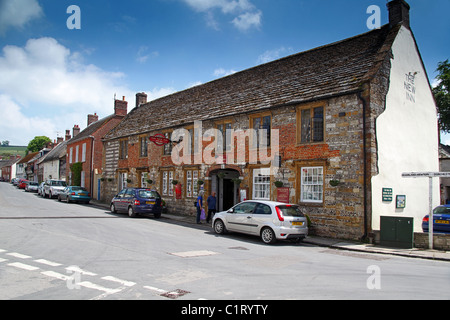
319	183
265	184
311	136
253	118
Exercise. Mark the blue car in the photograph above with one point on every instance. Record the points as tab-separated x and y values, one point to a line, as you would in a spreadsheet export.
73	193
441	217
137	201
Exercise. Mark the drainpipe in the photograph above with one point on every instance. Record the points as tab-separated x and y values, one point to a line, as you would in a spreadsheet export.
364	103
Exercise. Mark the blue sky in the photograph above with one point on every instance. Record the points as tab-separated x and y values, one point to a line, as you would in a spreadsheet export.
51	77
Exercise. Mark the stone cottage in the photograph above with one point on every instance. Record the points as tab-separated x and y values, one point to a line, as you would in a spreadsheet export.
338	124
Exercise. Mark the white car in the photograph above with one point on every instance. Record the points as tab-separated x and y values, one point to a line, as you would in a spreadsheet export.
269	220
52	188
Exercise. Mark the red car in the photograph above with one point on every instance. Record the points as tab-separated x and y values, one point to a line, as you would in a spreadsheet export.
22	183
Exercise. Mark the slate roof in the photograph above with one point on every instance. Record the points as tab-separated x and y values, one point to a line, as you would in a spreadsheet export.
91	129
331	70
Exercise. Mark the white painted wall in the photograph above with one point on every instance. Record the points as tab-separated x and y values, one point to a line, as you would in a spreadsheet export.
407	137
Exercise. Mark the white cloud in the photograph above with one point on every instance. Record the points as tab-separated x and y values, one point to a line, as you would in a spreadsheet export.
246	15
157	93
221	72
50	89
143	54
271	55
248	20
17	13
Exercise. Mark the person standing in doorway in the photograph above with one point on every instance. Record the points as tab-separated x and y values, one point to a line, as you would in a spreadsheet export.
211	201
199	205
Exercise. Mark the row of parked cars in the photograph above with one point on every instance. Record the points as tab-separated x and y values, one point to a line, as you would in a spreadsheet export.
54	189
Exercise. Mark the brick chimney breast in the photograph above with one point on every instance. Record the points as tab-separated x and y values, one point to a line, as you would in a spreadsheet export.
121	107
141	98
399	13
68	136
91	118
75	130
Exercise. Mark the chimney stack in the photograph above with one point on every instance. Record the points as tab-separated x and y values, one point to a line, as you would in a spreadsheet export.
59	140
75	130
120	107
141	98
399	13
68	136
91	118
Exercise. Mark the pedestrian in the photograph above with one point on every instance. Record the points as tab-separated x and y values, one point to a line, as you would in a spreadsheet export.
211	201
199	205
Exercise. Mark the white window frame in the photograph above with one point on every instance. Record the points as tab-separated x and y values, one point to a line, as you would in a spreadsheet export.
83	152
165	176
189	184
261	184
170	183
312	184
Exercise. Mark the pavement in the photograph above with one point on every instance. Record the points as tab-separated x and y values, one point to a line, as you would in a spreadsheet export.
331	243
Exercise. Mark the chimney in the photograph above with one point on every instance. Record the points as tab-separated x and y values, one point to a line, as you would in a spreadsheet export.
91	118
68	136
141	98
120	107
398	13
75	130
59	140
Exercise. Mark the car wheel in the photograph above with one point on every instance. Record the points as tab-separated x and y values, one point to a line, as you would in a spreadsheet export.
157	215
219	227
268	236
59	198
131	212
113	208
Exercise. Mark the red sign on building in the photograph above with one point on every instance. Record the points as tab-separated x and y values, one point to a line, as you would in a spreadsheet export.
160	140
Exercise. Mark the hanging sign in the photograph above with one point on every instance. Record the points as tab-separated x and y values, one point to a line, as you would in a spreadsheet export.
160	140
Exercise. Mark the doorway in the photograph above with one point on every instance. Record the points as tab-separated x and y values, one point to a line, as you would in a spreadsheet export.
226	190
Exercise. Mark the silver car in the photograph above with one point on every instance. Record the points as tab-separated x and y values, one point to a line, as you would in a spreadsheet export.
270	220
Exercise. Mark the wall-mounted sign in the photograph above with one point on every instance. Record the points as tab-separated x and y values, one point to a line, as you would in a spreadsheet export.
387	194
160	140
401	202
283	195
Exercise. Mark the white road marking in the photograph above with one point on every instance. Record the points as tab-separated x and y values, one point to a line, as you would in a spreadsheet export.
155	289
23	266
18	255
3	260
91	285
122	282
48	263
191	254
1	250
55	275
81	271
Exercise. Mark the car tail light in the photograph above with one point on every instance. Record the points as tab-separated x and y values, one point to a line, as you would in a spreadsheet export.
137	203
72	194
426	219
279	214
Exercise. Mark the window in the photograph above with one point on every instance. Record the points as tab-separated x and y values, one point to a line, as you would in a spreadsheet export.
123	176
167	187
312	184
168	147
245	207
262	209
311	124
76	153
144	178
225	130
261	184
70	155
261	127
191	183
143	147
123	149
83	153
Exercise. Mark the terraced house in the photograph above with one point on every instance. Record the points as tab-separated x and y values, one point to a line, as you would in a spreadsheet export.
350	117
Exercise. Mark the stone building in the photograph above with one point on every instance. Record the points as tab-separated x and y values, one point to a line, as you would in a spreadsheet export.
342	122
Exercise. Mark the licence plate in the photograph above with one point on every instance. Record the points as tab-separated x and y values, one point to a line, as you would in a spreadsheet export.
442	221
150	202
297	223
82	194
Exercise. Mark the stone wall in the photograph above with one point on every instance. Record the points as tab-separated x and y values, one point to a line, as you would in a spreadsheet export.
440	241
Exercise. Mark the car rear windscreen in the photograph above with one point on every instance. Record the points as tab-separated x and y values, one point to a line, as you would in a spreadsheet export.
148	194
293	211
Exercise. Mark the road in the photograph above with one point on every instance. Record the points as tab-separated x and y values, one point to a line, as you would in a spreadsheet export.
52	250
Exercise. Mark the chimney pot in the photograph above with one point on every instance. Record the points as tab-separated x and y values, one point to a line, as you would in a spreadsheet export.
141	98
399	13
76	130
91	118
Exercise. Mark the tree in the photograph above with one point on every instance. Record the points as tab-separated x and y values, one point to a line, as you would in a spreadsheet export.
38	143
442	96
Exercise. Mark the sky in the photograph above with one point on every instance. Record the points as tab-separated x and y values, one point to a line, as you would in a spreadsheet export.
57	65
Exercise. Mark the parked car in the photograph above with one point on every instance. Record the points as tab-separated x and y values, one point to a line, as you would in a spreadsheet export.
52	188
441	217
269	220
41	189
136	201
22	183
32	186
74	193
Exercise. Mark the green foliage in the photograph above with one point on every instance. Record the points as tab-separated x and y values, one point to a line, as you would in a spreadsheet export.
442	96
76	169
38	143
